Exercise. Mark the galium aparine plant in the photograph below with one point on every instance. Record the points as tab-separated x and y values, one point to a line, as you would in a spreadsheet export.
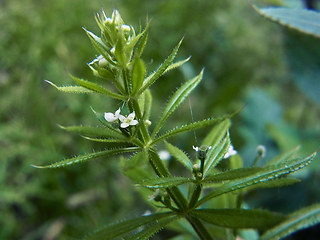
216	213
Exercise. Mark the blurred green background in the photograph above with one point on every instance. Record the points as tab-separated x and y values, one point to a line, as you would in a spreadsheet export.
249	61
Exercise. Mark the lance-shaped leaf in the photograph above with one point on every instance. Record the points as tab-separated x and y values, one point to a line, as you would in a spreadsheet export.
89	156
177	64
160	71
138	73
164	182
303	20
70	89
286	156
300	219
97	88
123	228
142	43
189	127
269	173
215	154
96	132
179	155
232	174
275	183
134	40
99	46
151	229
217	133
178	97
239	218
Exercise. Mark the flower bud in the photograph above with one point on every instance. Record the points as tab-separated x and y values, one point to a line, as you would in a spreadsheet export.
261	150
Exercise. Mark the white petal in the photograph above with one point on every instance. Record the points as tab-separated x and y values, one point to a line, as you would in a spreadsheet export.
230	152
124	125
117	113
132	115
110	117
122	118
134	122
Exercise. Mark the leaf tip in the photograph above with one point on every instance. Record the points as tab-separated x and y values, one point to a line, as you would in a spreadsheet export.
36	166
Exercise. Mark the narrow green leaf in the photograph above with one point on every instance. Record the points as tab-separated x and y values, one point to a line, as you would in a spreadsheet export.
177	64
216	154
87	157
123	228
142	42
286	156
275	183
303	218
189	127
70	89
159	72
217	133
105	140
164	182
133	41
153	228
179	155
239	218
99	46
303	20
96	132
97	88
178	97
120	53
232	174
138	73
269	173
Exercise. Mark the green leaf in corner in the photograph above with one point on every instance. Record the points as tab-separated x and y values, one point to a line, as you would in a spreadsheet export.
70	89
303	218
179	155
125	227
239	218
303	20
178	97
164	182
87	157
97	88
160	71
267	174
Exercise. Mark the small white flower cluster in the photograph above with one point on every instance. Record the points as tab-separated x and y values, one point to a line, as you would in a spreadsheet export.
125	121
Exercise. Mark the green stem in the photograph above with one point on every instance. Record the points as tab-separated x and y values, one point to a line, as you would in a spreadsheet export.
199	228
195	195
126	81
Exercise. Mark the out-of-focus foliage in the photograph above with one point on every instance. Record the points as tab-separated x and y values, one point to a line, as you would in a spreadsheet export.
249	61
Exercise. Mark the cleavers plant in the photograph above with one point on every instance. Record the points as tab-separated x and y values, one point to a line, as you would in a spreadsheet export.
216	213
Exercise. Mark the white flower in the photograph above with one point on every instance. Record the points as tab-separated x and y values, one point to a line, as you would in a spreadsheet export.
164	155
230	152
127	121
110	117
